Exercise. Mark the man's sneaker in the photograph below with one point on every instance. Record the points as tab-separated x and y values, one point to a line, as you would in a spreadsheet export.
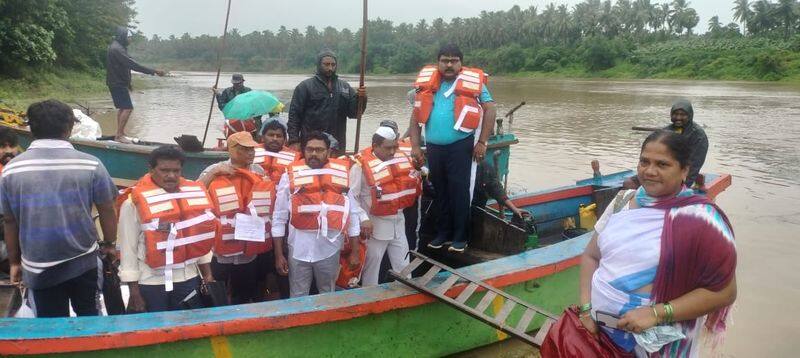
437	243
459	246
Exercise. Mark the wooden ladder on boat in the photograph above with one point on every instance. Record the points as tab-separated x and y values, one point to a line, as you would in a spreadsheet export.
500	320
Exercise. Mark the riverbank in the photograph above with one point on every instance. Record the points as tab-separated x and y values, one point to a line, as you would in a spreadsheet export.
75	87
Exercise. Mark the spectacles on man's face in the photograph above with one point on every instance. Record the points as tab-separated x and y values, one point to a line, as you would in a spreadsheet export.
450	60
316	150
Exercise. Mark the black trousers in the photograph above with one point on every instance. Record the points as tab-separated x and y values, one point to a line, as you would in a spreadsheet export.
81	292
411	215
451	173
184	295
241	280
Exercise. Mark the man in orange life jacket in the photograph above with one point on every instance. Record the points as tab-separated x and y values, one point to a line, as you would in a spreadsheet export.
458	114
165	234
275	156
313	199
383	185
245	274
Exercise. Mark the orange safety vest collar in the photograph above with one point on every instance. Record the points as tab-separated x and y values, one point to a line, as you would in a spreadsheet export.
467	87
275	163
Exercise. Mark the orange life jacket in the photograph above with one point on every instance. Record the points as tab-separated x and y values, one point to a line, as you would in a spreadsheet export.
394	183
178	227
235	194
275	164
404	146
318	195
348	278
467	88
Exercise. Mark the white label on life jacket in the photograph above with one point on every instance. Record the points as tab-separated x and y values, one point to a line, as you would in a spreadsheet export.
197	202
155	209
249	228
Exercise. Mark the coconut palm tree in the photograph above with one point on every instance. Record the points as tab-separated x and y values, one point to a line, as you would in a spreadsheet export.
742	13
785	11
714	26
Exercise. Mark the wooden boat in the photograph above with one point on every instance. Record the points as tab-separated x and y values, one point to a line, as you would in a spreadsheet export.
386	320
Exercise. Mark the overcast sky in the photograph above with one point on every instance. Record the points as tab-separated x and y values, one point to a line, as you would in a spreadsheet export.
174	17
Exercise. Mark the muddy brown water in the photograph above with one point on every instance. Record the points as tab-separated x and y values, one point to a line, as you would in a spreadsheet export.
753	129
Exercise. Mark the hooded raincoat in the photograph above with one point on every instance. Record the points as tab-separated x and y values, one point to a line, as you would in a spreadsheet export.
119	64
317	107
697	139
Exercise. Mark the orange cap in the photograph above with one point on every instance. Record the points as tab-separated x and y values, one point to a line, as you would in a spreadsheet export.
244	139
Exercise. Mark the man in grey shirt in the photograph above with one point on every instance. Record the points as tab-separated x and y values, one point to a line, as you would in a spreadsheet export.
47	195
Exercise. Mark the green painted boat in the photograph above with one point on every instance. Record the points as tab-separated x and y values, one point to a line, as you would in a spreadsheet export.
386	320
389	320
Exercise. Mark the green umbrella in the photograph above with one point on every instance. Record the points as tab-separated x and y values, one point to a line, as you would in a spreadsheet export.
250	104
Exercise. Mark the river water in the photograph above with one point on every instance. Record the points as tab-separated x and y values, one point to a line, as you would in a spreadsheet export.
753	130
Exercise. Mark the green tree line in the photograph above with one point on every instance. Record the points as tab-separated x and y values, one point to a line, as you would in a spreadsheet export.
639	37
41	35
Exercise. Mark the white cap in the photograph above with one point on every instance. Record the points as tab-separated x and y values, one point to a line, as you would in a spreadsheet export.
386	133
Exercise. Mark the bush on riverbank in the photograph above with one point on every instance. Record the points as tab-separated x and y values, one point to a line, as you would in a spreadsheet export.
64	85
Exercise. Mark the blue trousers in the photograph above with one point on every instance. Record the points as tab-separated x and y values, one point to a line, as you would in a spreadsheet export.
451	174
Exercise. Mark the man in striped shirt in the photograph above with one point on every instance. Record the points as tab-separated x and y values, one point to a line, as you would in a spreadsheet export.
47	195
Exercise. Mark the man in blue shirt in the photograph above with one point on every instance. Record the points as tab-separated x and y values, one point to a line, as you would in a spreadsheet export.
454	145
47	194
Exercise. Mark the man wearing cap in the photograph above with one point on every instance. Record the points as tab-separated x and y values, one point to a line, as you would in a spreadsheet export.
227	95
383	185
323	103
245	275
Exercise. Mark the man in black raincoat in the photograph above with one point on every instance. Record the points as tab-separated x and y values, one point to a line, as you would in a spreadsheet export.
323	103
118	78
682	116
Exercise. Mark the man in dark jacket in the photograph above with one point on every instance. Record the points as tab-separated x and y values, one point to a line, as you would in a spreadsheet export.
118	78
323	103
682	116
227	95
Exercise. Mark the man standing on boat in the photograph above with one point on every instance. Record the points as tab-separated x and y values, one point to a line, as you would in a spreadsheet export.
227	95
383	185
682	117
323	103
458	113
245	273
162	270
47	194
118	78
275	156
314	201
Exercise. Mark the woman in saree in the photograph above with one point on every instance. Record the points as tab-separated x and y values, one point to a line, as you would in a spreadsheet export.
661	256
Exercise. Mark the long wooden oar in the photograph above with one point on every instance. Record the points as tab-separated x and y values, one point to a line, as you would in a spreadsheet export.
360	109
219	68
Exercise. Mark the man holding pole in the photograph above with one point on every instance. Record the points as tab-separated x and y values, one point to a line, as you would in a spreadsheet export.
323	103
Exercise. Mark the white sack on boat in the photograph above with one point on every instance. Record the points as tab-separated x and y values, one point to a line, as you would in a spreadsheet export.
87	129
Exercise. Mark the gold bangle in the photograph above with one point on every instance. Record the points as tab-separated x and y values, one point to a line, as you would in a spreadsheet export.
655	312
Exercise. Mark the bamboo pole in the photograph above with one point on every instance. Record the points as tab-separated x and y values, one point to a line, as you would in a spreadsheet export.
360	108
219	68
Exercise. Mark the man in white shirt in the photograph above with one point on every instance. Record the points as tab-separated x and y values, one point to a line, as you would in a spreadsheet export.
245	275
149	289
388	231
313	253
